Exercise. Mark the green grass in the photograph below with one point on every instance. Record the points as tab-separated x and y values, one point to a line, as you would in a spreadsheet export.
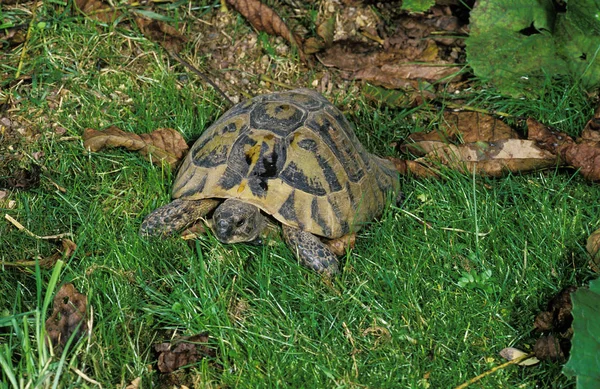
398	315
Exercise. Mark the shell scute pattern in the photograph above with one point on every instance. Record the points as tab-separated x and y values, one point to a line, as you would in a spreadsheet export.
296	157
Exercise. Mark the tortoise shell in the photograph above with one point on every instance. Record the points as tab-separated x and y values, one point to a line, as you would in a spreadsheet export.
296	157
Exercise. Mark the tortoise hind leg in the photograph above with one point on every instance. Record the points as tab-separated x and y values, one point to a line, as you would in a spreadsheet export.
310	251
175	216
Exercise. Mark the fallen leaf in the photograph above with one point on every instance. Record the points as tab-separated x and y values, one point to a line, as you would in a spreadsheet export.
182	352
66	251
14	36
265	19
135	384
420	145
468	127
325	32
413	168
380	333
98	10
593	248
68	319
557	316
158	31
552	348
23	179
164	144
511	353
547	138
341	245
423	49
385	67
493	159
458	127
584	157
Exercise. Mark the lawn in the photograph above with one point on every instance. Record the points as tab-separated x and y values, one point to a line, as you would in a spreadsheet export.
397	315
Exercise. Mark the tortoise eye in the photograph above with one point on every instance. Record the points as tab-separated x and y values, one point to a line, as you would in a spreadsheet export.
239	223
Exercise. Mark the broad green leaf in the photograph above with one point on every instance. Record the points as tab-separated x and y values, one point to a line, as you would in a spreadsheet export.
511	44
518	44
584	362
580	52
585	15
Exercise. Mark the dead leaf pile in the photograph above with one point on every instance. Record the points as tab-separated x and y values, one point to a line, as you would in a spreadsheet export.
582	154
555	322
182	352
22	179
155	30
68	319
420	50
266	19
555	326
163	144
472	142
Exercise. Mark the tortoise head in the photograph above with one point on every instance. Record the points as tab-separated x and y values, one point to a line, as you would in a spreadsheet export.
236	221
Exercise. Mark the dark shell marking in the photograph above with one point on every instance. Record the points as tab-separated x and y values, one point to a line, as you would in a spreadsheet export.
295	156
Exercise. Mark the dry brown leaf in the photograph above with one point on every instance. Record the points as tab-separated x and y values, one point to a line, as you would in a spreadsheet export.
468	127
14	36
423	147
161	33
69	317
183	351
552	348
98	10
413	168
591	132
583	156
493	158
510	353
265	19
416	52
67	249
340	245
458	127
23	179
388	68
163	144
593	248
557	316
547	138
135	384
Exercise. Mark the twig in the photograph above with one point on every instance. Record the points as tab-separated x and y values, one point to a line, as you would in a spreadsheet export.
203	76
21	227
494	369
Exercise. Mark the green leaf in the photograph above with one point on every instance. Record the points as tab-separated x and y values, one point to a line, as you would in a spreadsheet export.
580	52
519	44
584	362
585	15
417	5
511	44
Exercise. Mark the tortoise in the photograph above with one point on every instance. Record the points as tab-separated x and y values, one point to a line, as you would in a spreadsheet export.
291	157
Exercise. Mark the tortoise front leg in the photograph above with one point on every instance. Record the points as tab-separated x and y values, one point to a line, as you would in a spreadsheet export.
175	216
310	251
